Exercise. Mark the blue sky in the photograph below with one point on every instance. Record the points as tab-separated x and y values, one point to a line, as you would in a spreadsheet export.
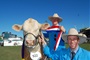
75	13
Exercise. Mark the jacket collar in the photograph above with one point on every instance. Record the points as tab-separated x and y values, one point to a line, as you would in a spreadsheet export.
77	53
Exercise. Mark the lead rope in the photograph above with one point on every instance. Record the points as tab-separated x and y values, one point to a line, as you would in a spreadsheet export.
43	56
23	48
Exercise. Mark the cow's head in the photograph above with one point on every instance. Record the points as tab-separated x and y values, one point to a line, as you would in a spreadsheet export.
31	29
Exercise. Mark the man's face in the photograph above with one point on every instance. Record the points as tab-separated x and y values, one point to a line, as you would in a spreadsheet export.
54	21
73	41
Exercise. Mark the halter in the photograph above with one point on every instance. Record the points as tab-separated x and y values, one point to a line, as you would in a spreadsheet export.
32	47
36	39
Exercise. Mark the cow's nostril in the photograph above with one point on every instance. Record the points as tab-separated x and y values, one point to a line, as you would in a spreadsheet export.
30	42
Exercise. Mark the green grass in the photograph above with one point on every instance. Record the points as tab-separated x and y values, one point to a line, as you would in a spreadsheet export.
14	52
10	53
84	45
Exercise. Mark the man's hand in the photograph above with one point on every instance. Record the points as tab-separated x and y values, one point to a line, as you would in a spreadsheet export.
62	28
41	40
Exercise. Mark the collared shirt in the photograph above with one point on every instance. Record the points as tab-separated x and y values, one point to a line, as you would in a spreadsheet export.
75	51
81	54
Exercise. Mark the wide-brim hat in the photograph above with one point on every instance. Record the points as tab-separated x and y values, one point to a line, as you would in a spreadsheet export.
73	31
55	16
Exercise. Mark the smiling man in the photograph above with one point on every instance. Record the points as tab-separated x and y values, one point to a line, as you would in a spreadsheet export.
75	52
73	42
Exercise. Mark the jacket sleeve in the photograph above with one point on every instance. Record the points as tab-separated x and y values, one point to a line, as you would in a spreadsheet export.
46	51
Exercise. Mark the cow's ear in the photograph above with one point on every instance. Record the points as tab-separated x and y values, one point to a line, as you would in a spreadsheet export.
45	26
17	27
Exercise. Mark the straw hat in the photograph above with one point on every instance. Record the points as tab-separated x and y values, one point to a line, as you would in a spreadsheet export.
73	31
55	16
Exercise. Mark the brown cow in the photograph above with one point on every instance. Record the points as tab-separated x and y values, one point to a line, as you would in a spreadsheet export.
32	48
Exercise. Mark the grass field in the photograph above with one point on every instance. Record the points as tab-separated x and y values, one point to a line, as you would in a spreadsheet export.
10	53
84	45
14	53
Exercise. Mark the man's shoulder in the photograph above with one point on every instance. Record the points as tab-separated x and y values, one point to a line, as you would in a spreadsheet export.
84	51
65	50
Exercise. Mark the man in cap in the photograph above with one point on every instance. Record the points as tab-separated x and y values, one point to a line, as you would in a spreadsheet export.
55	41
74	52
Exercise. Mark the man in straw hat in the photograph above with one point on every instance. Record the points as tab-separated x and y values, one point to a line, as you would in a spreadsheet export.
75	52
55	41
